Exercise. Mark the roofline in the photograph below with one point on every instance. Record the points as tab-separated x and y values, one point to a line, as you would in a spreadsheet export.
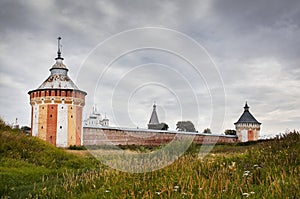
58	68
246	122
66	89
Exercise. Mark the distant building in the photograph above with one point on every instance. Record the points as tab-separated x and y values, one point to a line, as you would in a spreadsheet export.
153	122
95	119
16	124
247	127
57	104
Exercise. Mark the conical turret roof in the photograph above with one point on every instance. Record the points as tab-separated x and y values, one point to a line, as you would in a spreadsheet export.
247	117
154	118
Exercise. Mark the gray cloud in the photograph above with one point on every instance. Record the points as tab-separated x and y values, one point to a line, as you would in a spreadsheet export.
255	45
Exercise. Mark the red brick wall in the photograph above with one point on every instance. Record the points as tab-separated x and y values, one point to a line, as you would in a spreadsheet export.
94	136
51	123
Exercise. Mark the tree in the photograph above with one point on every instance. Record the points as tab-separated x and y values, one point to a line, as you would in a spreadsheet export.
26	129
207	130
160	126
230	132
164	126
185	126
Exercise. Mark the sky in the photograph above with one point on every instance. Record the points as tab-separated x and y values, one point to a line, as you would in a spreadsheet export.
197	60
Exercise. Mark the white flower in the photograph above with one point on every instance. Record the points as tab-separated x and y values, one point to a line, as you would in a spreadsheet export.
176	187
252	192
246	194
107	191
246	173
158	193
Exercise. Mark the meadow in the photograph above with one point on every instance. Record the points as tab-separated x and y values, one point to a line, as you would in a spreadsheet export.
31	168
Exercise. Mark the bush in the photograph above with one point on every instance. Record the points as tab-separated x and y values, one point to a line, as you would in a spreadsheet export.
74	147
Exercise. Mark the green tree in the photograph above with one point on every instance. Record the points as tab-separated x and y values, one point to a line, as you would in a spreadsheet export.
160	126
207	130
185	126
164	126
230	132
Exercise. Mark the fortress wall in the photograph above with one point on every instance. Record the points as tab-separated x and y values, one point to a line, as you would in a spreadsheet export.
145	137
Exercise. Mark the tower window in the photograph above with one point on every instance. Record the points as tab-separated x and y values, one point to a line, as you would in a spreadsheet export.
60	127
42	127
51	114
71	116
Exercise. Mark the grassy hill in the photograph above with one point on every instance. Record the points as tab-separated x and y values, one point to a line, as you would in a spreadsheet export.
31	168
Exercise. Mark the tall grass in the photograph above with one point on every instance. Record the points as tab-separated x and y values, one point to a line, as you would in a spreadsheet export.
270	169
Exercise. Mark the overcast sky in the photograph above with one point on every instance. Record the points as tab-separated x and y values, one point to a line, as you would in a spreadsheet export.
198	60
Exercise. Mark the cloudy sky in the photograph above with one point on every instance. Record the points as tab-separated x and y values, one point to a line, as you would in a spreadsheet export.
198	60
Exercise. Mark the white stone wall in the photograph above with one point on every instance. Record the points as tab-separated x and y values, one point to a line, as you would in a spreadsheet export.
62	126
35	118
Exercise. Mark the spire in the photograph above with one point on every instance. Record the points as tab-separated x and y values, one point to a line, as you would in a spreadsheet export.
59	49
59	60
154	118
246	107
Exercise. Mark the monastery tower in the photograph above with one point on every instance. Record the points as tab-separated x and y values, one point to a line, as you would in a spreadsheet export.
57	105
247	127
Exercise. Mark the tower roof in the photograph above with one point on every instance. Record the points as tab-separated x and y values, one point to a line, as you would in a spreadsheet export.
58	78
247	117
154	118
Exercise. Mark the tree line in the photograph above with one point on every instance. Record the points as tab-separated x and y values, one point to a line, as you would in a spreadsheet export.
188	126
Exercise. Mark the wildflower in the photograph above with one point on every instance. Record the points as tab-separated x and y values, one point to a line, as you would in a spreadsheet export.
107	191
252	192
158	193
233	164
256	166
176	187
246	173
246	194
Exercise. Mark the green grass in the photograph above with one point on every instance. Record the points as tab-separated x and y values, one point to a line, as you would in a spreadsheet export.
31	168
